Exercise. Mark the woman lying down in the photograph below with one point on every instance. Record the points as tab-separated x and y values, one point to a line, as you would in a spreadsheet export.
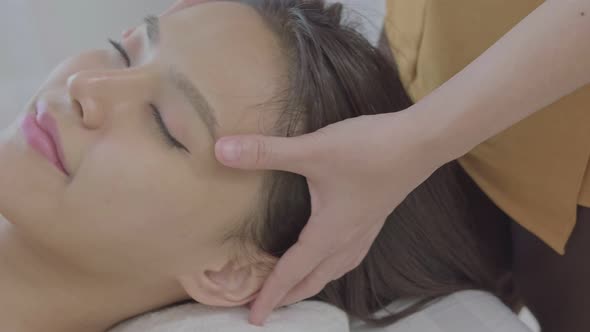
115	205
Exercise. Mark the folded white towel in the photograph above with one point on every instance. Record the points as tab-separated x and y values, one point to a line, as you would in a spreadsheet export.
466	311
308	316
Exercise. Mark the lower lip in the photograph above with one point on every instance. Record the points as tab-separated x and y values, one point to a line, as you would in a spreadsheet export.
40	141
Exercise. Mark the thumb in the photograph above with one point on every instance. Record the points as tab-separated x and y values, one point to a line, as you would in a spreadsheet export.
254	152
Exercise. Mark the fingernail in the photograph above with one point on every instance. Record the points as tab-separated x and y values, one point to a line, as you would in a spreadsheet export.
231	150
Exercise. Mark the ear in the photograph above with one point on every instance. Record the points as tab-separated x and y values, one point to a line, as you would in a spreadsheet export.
229	283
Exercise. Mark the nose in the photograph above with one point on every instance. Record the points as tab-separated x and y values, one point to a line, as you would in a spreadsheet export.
98	92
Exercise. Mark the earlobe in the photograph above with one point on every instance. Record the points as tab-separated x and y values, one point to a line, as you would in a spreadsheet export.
230	285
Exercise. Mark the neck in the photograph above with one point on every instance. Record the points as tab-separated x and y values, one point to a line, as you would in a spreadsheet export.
40	294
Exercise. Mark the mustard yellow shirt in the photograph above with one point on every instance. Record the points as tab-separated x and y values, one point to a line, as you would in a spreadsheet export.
535	171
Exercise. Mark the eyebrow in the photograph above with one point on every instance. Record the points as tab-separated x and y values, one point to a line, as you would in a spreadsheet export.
182	83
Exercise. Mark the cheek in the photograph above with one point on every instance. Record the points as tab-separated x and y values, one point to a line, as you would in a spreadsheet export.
134	188
135	204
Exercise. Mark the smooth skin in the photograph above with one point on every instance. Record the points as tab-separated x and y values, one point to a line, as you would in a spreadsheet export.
545	57
138	223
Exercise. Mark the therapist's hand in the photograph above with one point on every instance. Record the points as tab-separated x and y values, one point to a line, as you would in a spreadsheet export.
358	171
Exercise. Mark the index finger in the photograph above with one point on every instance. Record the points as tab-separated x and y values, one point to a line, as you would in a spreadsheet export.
299	261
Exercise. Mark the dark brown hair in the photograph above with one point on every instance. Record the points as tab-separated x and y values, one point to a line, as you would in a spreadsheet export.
445	237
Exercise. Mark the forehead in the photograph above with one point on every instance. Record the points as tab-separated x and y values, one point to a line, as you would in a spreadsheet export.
231	56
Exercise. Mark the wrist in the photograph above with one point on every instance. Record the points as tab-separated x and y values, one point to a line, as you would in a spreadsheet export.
437	138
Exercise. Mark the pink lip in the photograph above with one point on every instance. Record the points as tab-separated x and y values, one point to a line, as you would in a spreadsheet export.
40	130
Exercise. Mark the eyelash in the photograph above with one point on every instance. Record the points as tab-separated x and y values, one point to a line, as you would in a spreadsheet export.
170	140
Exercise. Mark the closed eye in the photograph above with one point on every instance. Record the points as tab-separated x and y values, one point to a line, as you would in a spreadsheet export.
170	140
122	51
173	142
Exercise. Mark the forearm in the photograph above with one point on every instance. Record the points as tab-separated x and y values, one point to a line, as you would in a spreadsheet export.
542	59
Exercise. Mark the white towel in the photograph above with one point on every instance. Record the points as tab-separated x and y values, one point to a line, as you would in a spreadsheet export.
308	316
466	311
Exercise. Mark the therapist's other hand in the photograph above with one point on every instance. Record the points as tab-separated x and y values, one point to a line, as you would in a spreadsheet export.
358	171
177	6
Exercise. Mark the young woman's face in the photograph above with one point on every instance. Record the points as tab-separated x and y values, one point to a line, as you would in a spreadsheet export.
134	199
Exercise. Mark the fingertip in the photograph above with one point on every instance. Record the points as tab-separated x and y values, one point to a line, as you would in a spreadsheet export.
228	150
254	321
257	319
260	310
